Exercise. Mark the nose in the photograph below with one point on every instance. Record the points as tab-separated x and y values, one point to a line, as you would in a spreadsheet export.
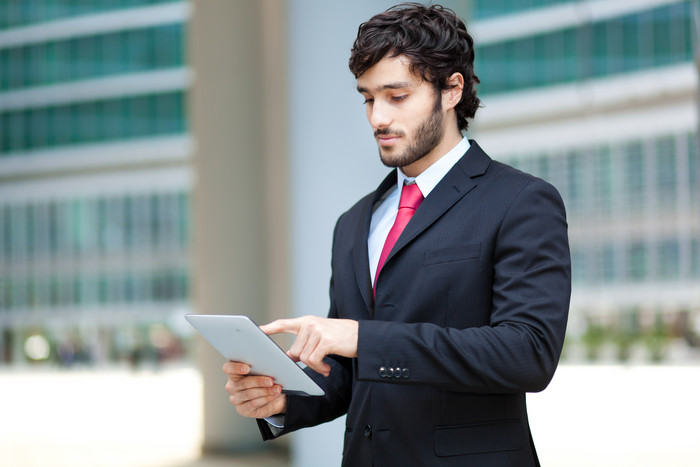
379	116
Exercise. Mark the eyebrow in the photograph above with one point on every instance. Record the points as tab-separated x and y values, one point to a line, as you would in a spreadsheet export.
397	85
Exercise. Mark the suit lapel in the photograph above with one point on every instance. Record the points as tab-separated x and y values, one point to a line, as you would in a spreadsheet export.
360	253
459	181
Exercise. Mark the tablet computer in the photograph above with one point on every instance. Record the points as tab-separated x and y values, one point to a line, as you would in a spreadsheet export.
239	339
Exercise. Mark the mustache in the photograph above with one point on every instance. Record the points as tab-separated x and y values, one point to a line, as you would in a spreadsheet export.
387	131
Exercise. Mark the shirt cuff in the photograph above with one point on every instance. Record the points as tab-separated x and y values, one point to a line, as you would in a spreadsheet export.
276	423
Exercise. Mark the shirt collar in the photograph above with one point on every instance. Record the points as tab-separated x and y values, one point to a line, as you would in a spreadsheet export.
431	176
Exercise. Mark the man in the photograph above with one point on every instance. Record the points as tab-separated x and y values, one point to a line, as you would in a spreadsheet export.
450	284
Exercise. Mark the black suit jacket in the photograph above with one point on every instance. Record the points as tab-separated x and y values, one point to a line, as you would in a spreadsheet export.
470	314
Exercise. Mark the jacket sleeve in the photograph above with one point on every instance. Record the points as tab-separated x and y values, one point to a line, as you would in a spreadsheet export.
519	350
305	411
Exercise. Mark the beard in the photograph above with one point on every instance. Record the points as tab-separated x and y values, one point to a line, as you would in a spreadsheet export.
427	136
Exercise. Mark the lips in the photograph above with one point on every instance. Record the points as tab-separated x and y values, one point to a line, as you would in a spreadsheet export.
386	140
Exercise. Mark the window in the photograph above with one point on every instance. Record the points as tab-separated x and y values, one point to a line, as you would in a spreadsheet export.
20	13
695	258
694	168
487	8
668	259
634	175
30	230
658	37
18	293
5	234
89	122
103	295
575	182
60	253
603	180
666	177
597	41
606	260
136	50
578	265
617	198
5	294
183	216
18	233
78	291
542	167
637	262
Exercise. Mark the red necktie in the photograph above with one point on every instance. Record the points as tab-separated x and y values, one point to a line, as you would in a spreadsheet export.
411	197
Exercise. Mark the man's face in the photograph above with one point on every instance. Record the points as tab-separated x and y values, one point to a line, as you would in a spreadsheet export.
405	113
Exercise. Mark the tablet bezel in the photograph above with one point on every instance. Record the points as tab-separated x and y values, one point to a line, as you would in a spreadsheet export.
238	338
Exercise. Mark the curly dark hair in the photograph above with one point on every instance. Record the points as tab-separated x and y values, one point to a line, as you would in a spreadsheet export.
433	38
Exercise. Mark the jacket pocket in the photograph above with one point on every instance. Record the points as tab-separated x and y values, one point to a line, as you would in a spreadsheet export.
452	253
504	435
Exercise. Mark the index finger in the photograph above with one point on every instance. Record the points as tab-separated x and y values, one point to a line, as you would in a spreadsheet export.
282	325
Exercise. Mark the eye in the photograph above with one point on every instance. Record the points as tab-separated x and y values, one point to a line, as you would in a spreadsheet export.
400	98
368	101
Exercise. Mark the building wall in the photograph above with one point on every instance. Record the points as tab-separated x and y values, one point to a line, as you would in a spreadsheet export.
600	98
94	177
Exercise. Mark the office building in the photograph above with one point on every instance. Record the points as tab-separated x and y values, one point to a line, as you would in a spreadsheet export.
600	98
94	177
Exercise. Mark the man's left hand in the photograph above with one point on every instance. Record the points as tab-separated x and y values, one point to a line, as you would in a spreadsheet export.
316	338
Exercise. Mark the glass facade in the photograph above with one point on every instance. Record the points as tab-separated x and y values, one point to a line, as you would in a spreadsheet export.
112	261
94	252
646	183
487	8
14	13
92	122
95	56
639	41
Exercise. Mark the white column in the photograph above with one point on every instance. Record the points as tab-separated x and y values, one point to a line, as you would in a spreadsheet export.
227	42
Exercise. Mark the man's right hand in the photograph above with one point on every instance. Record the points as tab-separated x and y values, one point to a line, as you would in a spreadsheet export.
253	396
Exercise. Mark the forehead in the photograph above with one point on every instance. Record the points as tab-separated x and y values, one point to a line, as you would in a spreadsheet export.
388	73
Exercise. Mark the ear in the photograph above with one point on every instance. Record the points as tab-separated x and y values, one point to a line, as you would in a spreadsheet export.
453	95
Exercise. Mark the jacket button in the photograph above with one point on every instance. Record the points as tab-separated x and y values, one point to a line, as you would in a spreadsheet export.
382	372
390	372
405	373
368	431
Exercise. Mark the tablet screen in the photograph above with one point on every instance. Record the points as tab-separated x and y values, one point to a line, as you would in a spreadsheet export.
239	339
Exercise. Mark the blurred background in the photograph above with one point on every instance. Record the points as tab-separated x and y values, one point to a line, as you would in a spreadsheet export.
163	157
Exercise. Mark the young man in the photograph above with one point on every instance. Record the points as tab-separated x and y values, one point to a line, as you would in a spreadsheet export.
451	282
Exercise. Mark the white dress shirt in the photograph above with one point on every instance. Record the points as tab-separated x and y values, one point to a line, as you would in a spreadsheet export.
385	214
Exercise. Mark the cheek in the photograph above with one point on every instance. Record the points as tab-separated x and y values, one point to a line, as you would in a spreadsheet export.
416	119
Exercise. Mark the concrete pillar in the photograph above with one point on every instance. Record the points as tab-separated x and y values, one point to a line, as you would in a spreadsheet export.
236	108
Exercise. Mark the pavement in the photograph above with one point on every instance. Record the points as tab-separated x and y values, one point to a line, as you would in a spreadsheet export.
614	415
590	415
114	417
263	459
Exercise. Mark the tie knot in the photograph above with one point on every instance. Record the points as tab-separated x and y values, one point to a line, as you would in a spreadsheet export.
411	197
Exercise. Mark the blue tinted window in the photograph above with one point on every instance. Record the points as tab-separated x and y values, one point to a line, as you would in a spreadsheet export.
658	37
14	13
489	8
92	57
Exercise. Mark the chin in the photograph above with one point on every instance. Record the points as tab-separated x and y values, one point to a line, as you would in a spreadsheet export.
390	161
